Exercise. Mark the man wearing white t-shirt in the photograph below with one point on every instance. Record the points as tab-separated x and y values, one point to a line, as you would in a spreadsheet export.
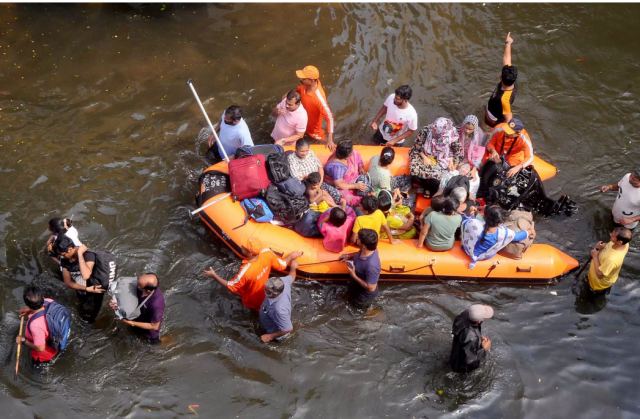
291	120
400	118
626	208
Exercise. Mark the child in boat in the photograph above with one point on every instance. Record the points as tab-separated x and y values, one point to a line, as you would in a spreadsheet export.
319	199
482	241
58	226
373	219
335	225
399	217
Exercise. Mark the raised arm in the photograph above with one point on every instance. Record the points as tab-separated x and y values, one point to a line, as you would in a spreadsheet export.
506	56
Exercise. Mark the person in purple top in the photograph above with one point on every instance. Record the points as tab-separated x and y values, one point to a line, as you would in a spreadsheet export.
275	312
364	268
151	303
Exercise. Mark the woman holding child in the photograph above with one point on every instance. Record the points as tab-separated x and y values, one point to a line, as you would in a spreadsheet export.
342	171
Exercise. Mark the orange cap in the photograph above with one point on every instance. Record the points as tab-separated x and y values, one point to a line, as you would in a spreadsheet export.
309	72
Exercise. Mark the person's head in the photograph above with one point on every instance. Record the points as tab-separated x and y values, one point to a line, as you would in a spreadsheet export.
63	246
293	100
621	235
308	75
344	149
470	124
59	225
273	287
147	283
459	194
513	127
634	178
443	128
437	203
464	168
368	239
403	95
337	217
33	298
302	148
493	216
385	200
233	115
480	312
313	181
386	156
449	206
369	204
508	75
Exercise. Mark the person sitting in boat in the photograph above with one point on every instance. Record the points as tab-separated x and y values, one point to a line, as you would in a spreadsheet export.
399	217
319	199
435	152
303	161
344	170
335	225
381	179
400	118
291	120
373	219
439	227
499	106
254	272
57	227
364	268
233	133
473	141
482	241
315	103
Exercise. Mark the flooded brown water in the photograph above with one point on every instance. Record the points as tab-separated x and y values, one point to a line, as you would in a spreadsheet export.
98	124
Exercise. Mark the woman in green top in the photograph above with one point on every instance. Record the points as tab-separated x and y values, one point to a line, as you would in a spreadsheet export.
379	173
439	227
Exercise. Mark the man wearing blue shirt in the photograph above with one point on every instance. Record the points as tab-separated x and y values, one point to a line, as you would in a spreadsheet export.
232	131
275	312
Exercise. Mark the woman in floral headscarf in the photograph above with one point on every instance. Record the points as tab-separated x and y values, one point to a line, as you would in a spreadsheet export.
435	152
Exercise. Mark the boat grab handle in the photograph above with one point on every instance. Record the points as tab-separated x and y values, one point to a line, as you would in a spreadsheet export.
527	269
396	270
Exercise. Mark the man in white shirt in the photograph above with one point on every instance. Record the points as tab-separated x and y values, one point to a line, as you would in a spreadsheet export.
626	208
232	131
400	118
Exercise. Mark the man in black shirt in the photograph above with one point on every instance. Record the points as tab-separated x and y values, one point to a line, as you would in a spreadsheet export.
469	346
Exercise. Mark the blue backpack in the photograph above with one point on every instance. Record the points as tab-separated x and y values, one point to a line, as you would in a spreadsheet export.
257	209
58	319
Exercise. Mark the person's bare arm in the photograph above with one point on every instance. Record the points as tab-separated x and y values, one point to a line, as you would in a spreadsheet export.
374	122
506	56
213	275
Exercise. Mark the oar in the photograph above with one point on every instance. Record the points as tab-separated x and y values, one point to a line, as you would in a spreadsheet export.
207	205
195	94
15	377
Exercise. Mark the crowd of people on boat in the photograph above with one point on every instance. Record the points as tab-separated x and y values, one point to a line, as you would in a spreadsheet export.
462	169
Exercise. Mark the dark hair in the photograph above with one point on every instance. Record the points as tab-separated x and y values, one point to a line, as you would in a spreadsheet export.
344	149
384	200
312	179
293	94
33	297
301	143
437	203
449	206
337	216
404	92
509	75
623	234
62	244
493	216
234	112
152	287
368	238
369	203
386	156
56	225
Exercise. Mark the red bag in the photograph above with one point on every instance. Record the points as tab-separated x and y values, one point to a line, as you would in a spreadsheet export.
248	176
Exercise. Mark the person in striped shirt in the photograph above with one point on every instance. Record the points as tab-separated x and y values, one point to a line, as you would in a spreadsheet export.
314	101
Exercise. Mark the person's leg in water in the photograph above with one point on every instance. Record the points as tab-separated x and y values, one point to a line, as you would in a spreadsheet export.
90	305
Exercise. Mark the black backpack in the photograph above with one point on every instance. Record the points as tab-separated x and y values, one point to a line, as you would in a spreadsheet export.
104	270
252	150
214	183
286	208
278	167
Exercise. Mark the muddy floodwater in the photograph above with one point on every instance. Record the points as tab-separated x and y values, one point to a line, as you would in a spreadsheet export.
97	123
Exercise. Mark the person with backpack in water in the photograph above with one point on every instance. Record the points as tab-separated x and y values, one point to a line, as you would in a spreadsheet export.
87	272
48	325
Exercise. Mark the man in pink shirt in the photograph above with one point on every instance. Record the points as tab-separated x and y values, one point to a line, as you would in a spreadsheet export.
291	120
36	334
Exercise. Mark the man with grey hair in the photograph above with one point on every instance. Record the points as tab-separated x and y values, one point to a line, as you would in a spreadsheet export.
275	312
469	346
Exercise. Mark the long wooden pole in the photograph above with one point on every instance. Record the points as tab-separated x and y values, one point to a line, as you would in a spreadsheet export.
19	348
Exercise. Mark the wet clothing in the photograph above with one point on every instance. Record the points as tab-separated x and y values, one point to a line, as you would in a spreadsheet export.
275	313
233	136
89	303
249	282
37	333
367	269
627	203
610	264
500	103
466	351
317	107
152	311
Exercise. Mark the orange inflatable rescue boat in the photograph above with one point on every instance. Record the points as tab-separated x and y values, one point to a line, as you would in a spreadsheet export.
541	263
